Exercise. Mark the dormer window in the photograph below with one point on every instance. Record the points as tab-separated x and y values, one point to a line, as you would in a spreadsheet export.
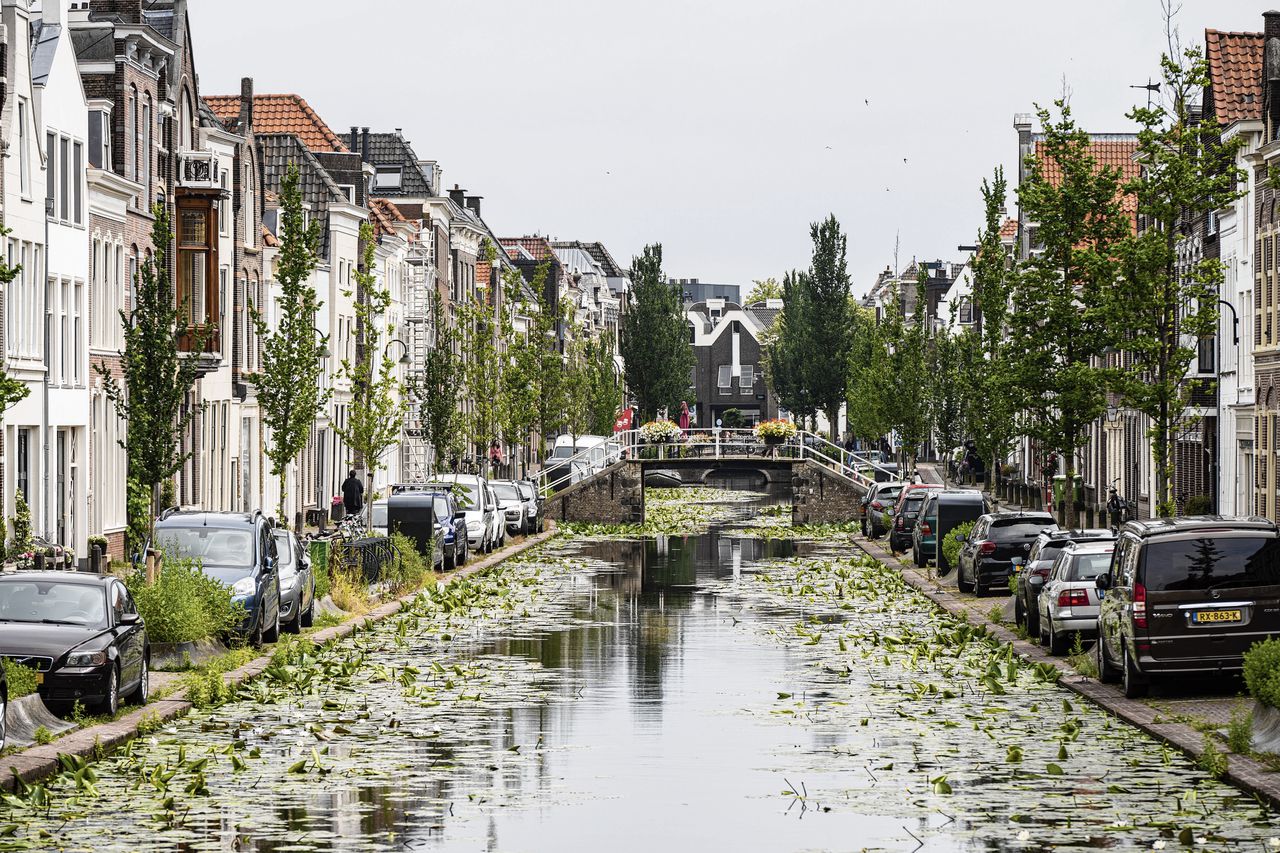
388	178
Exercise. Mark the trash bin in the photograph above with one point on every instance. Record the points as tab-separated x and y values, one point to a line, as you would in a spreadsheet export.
1060	490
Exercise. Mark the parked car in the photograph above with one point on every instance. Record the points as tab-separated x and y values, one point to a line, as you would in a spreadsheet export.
1035	568
901	517
533	504
237	549
874	502
498	530
1068	604
81	633
474	501
297	583
987	552
943	510
573	460
512	507
378	525
454	533
1186	596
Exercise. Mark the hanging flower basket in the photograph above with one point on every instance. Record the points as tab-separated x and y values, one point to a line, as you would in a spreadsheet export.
661	432
776	431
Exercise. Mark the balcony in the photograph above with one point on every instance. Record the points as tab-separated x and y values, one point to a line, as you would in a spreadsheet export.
198	170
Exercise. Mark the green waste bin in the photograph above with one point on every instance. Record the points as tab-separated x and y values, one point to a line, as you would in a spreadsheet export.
1060	489
319	552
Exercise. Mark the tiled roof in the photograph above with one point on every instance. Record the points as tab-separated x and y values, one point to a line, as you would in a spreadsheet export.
277	152
391	149
1107	149
1235	74
384	215
281	114
269	239
598	253
537	247
1009	229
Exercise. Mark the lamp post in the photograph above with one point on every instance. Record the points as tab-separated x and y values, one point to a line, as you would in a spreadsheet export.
1215	458
324	346
404	357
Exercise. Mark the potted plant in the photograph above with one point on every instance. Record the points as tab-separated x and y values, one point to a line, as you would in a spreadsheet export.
97	553
775	432
660	432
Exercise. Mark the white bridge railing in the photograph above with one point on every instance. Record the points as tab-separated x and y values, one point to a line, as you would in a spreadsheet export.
860	467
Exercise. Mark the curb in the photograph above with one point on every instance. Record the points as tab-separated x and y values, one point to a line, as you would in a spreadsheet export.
1243	771
40	762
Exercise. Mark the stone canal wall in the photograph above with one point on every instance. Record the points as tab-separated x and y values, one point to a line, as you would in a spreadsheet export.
821	496
614	496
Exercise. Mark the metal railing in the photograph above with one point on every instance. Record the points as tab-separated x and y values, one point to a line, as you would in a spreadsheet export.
711	444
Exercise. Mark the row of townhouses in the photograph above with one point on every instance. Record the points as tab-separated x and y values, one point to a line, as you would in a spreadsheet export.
103	118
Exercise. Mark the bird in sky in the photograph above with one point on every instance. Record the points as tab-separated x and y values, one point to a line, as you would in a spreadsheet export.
866	101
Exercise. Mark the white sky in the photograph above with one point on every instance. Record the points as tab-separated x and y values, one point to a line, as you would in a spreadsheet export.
720	128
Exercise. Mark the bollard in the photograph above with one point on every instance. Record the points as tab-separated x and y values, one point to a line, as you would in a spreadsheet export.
152	566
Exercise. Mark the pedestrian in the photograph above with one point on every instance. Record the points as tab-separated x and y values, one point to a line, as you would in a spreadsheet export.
1114	508
352	493
684	416
495	456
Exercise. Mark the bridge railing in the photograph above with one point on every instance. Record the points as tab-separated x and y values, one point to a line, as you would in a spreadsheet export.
557	474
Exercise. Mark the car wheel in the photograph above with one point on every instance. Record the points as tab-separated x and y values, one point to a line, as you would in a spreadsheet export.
273	634
1107	673
143	690
294	625
1135	685
1057	642
962	584
110	703
1019	612
309	615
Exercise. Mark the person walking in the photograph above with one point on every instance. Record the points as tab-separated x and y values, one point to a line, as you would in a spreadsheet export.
495	457
352	493
684	416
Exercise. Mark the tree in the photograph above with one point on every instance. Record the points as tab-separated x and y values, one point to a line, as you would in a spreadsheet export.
519	386
992	416
157	375
482	369
11	390
827	332
440	389
655	336
908	385
868	393
761	290
288	386
1167	308
1061	323
785	346
948	393
376	415
597	384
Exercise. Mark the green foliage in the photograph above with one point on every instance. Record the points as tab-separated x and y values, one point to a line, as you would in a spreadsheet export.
761	290
1262	672
21	525
184	604
655	337
869	395
732	419
535	382
138	497
101	542
1240	732
593	392
785	350
320	568
1081	661
439	391
482	368
206	688
288	386
153	398
908	375
42	735
950	546
22	679
1061	325
1198	505
377	408
411	568
1165	306
1211	759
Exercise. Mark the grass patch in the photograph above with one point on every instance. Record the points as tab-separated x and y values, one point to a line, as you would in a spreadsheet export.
1211	759
1240	732
996	613
1081	661
42	735
348	592
327	619
206	687
22	679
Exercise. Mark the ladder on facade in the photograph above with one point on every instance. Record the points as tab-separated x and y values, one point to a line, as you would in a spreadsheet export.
415	453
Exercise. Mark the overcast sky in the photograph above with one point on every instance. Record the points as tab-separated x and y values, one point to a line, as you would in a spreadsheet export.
720	129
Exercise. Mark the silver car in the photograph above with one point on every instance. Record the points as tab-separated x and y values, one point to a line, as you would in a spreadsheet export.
1068	604
297	582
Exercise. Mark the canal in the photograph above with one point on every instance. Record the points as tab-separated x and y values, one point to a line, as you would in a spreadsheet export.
732	689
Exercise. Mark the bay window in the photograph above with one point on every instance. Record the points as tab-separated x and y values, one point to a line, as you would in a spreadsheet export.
197	287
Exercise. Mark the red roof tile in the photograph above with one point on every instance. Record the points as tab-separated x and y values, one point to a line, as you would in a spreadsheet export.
1235	74
281	114
538	247
269	239
1009	229
1112	150
384	215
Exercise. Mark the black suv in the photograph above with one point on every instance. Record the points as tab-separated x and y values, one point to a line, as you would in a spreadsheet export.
986	554
1187	596
237	549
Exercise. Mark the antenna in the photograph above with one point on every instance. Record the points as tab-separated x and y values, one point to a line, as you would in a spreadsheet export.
897	240
1150	87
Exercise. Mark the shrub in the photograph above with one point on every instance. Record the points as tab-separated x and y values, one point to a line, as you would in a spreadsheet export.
21	542
1198	505
42	735
409	570
951	547
321	569
184	604
22	679
1262	672
138	511
1240	732
348	592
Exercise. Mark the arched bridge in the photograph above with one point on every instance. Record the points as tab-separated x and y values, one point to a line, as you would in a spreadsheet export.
827	483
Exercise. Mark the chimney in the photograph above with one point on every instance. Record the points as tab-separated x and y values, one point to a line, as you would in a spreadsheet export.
458	196
354	144
51	11
364	144
246	104
473	203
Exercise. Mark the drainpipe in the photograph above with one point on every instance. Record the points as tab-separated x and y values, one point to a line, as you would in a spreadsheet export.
48	371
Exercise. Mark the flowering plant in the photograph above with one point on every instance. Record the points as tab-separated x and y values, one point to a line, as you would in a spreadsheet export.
660	432
775	429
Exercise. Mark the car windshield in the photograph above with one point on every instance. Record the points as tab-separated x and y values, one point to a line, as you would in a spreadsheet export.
52	601
1086	567
212	546
888	493
1002	531
1049	553
380	514
564	451
506	491
440	506
284	552
1220	562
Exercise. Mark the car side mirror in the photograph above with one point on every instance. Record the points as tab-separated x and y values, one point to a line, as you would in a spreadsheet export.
130	618
1027	548
960	537
1103	582
269	566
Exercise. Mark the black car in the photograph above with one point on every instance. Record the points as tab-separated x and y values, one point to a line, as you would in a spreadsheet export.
81	633
878	498
986	554
1035	569
297	583
237	549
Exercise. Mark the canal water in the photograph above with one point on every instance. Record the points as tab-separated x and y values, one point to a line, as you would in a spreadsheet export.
717	691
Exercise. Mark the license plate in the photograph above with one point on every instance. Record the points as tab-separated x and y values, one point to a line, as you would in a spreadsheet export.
1205	616
39	678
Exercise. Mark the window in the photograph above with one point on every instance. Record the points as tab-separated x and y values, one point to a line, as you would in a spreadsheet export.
146	150
387	178
77	190
748	379
64	179
197	285
724	379
1206	354
135	167
224	206
100	139
50	172
24	152
77	333
349	191
966	311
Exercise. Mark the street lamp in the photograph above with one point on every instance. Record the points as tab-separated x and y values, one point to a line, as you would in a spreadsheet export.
324	343
1235	322
1113	413
404	358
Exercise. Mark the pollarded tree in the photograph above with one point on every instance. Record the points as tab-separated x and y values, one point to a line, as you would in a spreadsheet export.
655	336
375	419
1062	320
1167	308
288	386
157	375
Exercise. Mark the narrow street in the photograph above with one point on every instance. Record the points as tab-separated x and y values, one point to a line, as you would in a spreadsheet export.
711	692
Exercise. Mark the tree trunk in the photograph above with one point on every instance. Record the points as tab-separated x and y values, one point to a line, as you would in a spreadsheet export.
833	419
1069	493
280	506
